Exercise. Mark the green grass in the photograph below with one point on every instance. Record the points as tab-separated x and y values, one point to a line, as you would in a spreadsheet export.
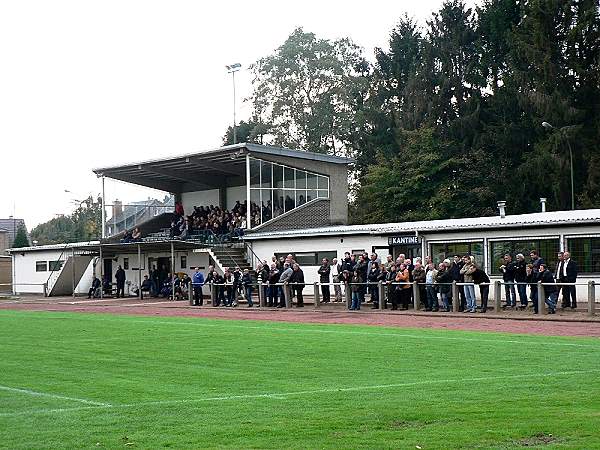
199	383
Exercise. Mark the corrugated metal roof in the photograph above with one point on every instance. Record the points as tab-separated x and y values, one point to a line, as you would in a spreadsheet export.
553	218
38	248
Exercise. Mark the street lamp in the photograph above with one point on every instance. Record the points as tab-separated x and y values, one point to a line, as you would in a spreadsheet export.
232	69
562	130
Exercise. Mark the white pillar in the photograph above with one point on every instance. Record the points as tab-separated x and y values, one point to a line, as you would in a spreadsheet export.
248	212
103	211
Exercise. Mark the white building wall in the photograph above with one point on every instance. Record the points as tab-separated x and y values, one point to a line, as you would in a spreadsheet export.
235	193
199	198
28	281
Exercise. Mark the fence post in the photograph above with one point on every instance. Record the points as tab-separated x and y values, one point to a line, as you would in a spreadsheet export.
262	301
416	295
497	296
317	295
191	293
382	299
287	294
541	298
591	298
46	289
348	295
455	297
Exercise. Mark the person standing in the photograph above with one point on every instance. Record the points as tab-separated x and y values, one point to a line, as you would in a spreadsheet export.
419	276
467	272
444	280
274	275
521	279
361	267
569	273
324	272
154	282
508	276
297	282
455	269
197	283
247	283
336	271
373	280
481	279
550	289
403	277
355	286
430	288
120	278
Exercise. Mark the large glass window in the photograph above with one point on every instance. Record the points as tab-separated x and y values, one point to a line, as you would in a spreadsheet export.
546	248
276	189
586	252
441	251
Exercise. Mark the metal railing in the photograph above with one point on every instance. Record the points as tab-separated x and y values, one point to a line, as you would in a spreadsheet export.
132	216
384	293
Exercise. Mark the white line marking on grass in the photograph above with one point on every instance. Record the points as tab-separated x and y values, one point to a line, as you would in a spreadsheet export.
47	394
500	339
282	395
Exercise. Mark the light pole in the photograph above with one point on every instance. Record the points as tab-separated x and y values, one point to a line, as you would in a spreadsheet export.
232	69
547	126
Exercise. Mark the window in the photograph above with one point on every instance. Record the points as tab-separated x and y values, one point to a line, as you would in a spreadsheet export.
547	249
310	258
586	252
441	251
41	266
125	263
54	265
183	261
275	189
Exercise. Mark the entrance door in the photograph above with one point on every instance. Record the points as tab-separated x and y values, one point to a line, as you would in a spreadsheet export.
108	270
410	251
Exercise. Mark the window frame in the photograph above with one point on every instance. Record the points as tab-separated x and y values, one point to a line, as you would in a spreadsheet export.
38	265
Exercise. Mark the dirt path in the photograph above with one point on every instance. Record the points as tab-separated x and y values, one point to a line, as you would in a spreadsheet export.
563	324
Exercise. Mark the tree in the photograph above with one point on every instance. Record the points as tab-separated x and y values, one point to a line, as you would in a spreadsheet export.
250	131
84	224
307	93
21	239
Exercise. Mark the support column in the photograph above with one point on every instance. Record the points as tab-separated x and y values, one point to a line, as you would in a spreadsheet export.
103	211
172	272
73	269
139	248
497	296
317	295
248	213
591	298
455	297
101	273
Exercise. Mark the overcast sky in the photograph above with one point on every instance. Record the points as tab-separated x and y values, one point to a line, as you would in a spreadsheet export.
91	84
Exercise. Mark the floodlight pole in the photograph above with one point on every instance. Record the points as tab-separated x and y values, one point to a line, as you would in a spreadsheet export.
234	128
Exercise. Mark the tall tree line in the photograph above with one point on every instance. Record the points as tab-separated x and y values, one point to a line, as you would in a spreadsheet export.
447	120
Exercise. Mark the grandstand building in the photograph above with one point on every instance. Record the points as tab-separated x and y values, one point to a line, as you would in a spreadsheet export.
302	204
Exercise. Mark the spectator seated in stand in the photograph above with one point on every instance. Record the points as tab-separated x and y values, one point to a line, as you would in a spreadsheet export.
136	235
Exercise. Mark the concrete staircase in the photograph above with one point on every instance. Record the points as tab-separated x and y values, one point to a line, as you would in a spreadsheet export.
230	256
61	281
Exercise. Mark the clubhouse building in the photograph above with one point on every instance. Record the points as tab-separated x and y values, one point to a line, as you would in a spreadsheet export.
299	205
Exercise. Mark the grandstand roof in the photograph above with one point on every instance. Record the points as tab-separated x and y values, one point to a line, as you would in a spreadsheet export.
208	169
553	218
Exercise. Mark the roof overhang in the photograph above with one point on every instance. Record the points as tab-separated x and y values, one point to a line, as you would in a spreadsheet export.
209	169
109	250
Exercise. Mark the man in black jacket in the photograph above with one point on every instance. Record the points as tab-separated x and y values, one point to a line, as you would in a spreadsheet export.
297	284
324	272
458	264
567	273
550	289
508	276
481	278
95	286
120	278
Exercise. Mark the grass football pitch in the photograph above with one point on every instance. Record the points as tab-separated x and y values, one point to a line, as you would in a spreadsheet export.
70	380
